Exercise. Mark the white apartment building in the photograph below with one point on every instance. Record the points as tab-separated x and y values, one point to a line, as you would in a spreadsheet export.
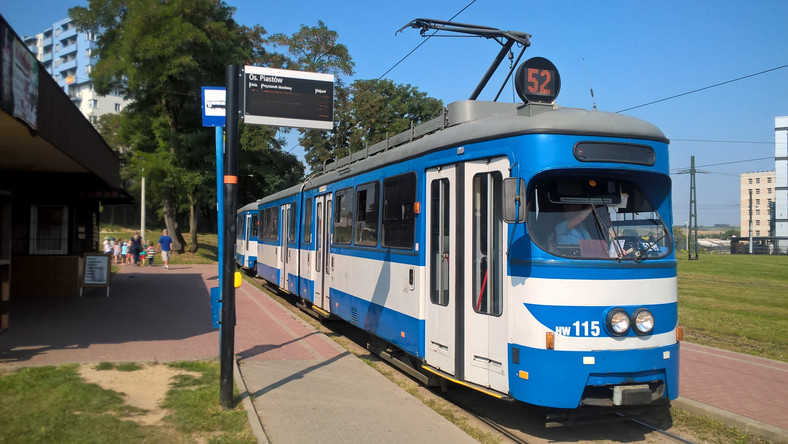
762	185
69	56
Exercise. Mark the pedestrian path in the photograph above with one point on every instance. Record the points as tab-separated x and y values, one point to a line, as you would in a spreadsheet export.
738	389
305	387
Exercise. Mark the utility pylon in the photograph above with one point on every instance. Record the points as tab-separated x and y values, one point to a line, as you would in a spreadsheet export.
693	215
692	228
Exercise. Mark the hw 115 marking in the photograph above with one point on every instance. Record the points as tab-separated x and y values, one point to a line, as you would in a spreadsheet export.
579	329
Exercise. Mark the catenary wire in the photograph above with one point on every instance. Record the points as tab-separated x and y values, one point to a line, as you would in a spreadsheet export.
424	41
704	88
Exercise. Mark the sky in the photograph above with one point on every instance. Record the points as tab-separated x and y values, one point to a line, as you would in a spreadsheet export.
629	52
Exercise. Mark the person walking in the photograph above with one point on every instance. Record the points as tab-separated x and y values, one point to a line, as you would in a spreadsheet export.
150	252
136	248
165	246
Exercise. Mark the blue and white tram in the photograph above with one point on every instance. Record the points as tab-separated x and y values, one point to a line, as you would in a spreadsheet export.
522	250
247	225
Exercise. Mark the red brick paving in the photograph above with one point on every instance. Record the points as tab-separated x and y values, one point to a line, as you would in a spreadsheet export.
749	386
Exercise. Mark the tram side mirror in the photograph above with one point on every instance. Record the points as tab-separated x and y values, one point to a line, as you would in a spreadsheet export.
513	202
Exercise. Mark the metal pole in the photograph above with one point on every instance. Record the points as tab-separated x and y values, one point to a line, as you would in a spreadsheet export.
142	213
491	70
220	197
227	342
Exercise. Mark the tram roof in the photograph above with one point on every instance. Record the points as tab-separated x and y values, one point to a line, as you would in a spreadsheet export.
472	121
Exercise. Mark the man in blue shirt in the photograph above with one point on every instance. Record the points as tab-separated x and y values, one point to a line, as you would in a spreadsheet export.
571	230
165	245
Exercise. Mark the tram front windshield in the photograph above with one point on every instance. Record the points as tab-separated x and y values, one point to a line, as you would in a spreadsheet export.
592	218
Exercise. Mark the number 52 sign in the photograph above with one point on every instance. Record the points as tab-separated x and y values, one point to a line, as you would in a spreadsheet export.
537	80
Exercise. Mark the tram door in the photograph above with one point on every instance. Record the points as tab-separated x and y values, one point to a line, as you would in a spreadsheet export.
285	252
483	269
322	242
441	240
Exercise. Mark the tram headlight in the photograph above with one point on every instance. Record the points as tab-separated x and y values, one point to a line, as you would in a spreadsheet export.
618	322
643	321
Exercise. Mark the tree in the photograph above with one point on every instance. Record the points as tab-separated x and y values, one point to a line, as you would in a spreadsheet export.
381	109
317	49
730	233
366	113
159	54
263	168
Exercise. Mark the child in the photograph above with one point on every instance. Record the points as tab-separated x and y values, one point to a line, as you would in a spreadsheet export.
124	251
151	251
116	253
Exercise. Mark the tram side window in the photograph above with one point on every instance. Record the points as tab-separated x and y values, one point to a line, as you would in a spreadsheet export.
271	224
308	221
366	223
255	225
343	216
487	237
293	222
399	195
239	226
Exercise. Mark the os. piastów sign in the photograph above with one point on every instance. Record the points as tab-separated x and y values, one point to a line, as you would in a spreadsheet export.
296	99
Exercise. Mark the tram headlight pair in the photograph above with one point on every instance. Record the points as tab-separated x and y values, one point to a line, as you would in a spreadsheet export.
619	321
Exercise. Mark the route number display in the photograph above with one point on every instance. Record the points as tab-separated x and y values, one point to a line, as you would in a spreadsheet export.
537	80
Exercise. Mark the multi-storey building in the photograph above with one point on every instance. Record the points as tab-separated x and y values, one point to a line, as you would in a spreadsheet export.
68	56
762	185
781	182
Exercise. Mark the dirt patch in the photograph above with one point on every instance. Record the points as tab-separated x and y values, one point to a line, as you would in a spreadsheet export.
144	388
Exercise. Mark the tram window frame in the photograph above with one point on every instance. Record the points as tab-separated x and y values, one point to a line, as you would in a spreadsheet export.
398	225
307	237
367	217
487	233
291	235
239	226
271	223
255	221
440	247
343	216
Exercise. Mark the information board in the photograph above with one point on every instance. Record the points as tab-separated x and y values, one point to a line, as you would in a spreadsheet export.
96	271
280	97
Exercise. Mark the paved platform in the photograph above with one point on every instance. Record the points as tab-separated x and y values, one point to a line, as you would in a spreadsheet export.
303	385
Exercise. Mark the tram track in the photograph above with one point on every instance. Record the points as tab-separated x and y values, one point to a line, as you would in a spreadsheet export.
655	429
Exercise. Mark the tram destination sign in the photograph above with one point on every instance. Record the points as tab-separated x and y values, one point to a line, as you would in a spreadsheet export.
296	99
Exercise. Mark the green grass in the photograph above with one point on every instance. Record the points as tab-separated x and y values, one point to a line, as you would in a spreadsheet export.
53	404
736	302
195	407
709	430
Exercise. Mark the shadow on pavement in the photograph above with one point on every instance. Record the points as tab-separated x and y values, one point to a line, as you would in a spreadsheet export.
142	306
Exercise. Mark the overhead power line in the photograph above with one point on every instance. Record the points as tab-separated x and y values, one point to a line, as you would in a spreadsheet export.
424	41
727	163
704	88
722	141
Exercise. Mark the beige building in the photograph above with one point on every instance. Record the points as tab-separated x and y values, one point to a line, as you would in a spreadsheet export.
763	187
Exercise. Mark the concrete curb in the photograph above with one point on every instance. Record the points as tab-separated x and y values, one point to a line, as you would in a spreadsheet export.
748	425
251	411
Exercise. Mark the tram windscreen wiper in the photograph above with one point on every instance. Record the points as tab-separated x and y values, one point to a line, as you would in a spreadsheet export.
603	229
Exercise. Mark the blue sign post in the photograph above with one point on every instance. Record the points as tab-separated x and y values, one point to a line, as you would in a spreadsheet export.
213	114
